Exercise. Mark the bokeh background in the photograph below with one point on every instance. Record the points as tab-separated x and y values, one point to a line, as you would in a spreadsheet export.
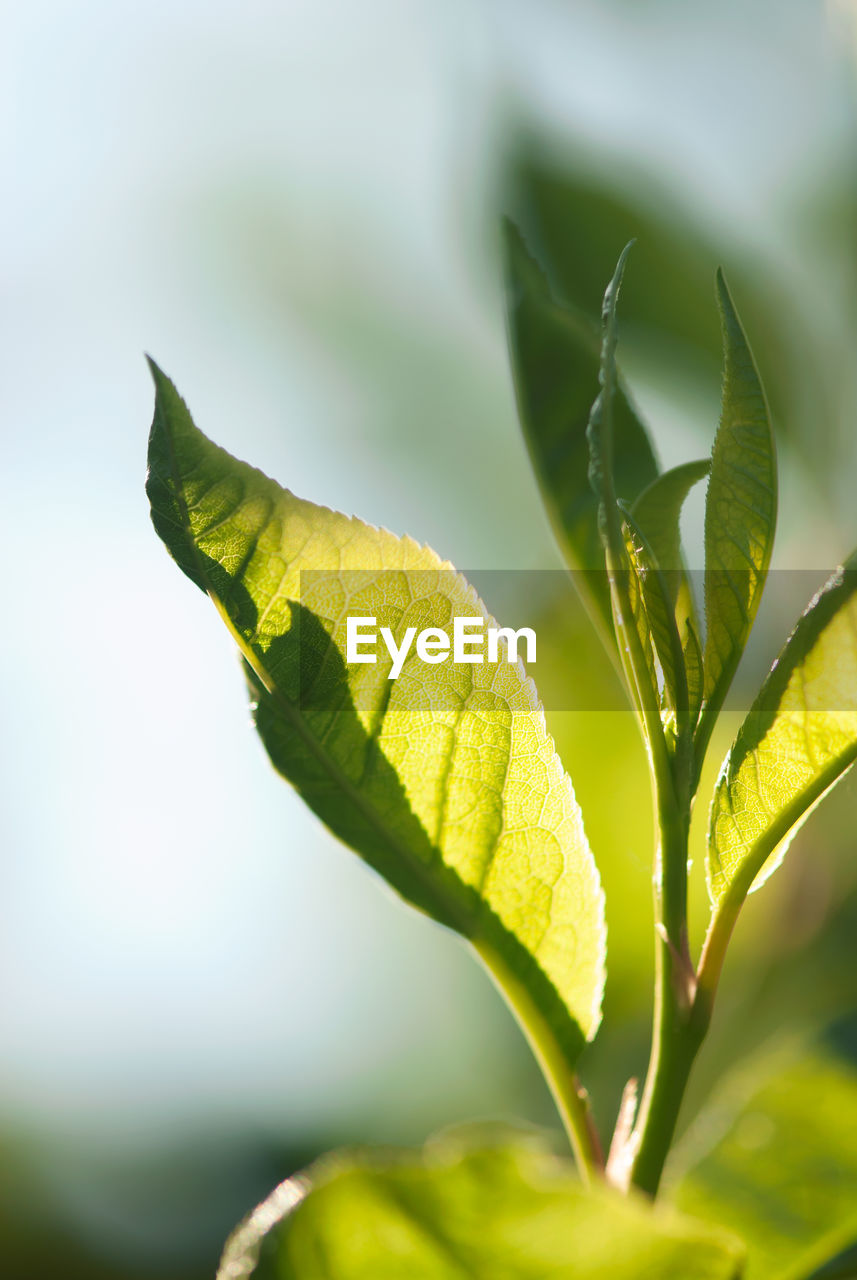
294	207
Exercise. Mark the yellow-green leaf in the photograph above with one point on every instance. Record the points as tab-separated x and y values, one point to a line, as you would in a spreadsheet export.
657	511
773	1158
797	740
740	509
652	606
445	779
461	1210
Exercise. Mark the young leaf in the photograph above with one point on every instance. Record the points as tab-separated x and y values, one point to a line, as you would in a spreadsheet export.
798	739
555	359
740	510
657	511
605	448
626	570
657	624
694	673
782	1172
444	780
462	1210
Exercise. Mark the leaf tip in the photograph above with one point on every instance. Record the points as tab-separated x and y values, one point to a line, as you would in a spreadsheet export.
160	379
611	296
725	304
154	368
619	273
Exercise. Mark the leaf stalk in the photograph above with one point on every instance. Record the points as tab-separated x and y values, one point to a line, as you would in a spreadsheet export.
569	1097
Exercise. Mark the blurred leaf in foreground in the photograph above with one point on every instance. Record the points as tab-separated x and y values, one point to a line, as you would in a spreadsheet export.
467	1211
775	1161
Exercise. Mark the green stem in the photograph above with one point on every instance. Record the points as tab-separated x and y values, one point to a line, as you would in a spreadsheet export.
677	1030
680	1022
714	951
570	1099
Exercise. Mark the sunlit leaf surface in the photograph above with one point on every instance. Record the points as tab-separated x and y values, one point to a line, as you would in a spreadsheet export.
657	511
652	606
797	740
740	509
444	779
462	1212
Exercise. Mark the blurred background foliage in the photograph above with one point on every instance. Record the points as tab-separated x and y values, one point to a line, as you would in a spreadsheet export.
295	208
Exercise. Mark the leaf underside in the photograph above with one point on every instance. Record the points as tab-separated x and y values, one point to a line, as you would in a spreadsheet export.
464	1211
444	780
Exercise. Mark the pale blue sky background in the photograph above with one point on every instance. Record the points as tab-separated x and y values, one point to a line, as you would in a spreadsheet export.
287	204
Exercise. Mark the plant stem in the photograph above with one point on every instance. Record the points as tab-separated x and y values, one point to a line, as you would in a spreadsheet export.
678	1029
680	1022
714	950
570	1099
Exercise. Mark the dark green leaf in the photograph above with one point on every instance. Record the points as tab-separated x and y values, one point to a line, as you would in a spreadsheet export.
601	429
574	216
556	359
694	673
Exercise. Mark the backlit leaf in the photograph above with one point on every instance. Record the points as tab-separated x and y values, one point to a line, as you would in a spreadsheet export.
660	633
797	740
657	511
740	509
461	1211
445	779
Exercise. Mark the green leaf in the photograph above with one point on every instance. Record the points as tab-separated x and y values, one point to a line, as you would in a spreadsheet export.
740	509
631	573
574	217
773	1159
835	1258
444	780
462	1211
657	511
797	740
651	598
601	430
694	671
556	360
